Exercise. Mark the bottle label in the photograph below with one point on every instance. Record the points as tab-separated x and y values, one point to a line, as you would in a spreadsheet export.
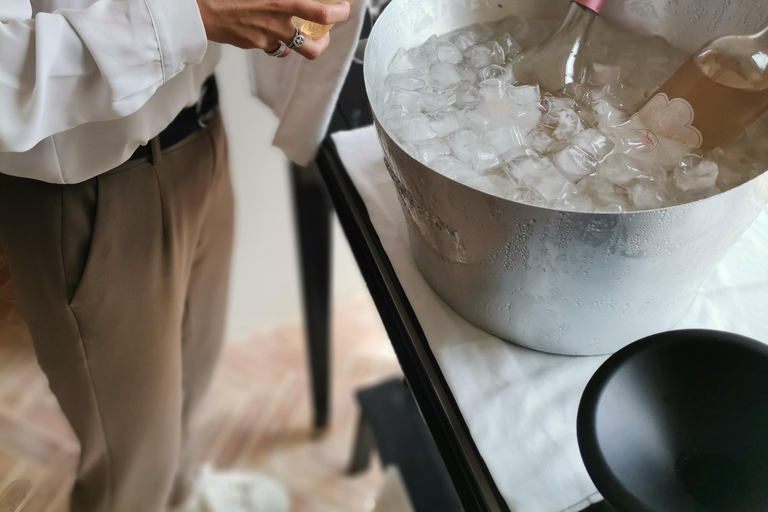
673	120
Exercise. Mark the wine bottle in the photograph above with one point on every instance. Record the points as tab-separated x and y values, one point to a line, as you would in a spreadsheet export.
560	58
714	96
315	30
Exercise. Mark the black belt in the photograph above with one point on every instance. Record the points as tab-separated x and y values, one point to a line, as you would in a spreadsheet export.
189	120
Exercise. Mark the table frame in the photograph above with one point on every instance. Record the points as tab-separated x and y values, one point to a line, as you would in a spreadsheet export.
471	478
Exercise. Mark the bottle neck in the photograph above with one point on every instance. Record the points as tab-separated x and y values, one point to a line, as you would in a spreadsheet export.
579	19
593	5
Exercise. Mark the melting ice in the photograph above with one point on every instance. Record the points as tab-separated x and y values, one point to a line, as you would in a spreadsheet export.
453	103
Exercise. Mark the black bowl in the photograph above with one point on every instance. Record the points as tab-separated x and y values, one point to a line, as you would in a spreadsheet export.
678	422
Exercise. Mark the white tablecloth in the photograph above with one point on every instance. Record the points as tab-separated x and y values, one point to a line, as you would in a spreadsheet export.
520	405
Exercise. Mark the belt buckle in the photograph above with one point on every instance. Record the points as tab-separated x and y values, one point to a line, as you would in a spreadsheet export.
204	118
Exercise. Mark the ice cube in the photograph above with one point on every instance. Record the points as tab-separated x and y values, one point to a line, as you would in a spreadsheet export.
505	138
647	194
604	93
427	153
574	163
564	123
401	62
622	169
549	183
445	123
392	117
730	173
518	152
493	184
484	156
629	139
451	167
696	194
519	168
497	53
468	73
471	36
511	71
445	74
526	196
577	91
525	94
448	52
406	82
495	71
461	144
396	111
511	47
382	93
480	56
435	99
695	173
620	95
444	163
526	117
463	40
494	89
594	142
424	56
411	100
613	208
477	119
467	95
607	115
555	103
416	129
573	200
603	193
603	74
539	141
481	32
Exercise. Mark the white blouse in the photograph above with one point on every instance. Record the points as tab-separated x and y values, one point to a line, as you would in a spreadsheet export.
83	83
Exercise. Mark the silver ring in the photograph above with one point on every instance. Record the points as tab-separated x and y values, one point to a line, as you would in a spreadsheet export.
279	52
298	40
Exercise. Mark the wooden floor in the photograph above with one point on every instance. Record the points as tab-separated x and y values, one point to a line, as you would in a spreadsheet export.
257	416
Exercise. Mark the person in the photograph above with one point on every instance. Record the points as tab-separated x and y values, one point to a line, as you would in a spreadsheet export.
116	214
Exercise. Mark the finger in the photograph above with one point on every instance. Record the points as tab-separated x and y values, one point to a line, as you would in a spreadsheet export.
287	53
274	45
283	31
311	49
319	13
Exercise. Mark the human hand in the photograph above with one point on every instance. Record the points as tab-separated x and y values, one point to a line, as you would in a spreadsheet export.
265	23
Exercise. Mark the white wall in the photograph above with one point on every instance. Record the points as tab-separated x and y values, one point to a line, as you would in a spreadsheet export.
265	283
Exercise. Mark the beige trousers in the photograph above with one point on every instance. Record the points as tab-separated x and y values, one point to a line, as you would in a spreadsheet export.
123	282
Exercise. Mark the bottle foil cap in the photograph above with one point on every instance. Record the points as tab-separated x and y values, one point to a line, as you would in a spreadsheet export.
594	5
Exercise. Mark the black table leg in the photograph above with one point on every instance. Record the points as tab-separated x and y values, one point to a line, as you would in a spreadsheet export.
313	219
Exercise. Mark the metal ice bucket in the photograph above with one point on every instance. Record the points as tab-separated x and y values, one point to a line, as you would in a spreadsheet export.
562	282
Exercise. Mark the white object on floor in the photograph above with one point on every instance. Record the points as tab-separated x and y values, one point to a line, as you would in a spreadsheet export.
520	405
393	496
236	491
